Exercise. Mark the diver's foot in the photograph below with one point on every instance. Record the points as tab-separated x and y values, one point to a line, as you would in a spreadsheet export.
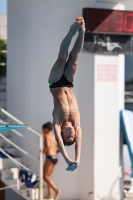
75	27
80	20
57	193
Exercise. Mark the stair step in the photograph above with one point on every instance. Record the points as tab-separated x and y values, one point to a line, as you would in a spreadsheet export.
10	182
29	194
10	150
4	144
32	194
12	173
7	163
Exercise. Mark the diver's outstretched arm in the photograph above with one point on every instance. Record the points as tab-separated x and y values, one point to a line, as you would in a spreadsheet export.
78	144
78	140
57	131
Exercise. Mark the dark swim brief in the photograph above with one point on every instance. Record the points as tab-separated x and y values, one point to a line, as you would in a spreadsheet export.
62	82
53	159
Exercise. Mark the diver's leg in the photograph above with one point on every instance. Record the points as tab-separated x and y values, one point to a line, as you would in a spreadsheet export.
72	63
58	68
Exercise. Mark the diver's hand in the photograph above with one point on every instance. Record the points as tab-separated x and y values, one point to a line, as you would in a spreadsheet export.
72	166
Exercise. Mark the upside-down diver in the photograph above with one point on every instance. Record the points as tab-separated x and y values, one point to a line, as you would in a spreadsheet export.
66	116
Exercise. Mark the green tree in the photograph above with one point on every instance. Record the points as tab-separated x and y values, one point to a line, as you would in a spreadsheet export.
2	57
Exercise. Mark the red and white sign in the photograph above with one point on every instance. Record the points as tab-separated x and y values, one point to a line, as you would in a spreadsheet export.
107	73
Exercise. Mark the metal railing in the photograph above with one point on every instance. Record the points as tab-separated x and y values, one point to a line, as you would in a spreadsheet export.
25	152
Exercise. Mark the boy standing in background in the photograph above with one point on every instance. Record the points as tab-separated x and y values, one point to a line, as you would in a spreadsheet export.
51	151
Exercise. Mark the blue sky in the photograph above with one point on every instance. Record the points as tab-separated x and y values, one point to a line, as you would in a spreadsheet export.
3	6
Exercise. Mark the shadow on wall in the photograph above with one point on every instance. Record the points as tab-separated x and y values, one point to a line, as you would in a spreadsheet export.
110	197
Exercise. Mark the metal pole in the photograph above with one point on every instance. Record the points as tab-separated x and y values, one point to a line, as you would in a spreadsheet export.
18	184
41	169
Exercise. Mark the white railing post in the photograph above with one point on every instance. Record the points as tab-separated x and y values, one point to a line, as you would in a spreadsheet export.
41	168
18	184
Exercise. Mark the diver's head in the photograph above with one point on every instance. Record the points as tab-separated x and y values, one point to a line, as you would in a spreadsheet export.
68	134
